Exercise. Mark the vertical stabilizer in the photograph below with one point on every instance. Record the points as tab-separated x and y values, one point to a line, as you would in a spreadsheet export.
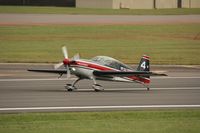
144	65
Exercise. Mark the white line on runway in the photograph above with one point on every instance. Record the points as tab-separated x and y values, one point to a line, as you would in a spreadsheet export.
168	77
177	88
100	107
54	79
135	89
49	79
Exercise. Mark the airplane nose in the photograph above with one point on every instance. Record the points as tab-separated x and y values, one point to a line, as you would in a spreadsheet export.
66	61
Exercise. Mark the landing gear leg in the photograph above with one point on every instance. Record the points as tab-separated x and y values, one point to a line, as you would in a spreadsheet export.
147	86
148	89
96	86
71	87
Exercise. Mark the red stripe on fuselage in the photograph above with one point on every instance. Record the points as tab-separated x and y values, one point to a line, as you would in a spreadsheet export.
144	80
105	68
93	65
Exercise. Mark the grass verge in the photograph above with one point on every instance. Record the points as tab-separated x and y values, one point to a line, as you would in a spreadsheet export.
66	10
166	44
165	121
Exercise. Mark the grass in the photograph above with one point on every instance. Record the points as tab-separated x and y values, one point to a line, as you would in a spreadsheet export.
166	44
66	10
164	121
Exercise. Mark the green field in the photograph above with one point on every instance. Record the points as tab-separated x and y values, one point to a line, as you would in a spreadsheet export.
164	121
166	44
65	10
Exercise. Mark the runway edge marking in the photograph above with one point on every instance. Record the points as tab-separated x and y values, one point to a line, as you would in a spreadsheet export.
99	107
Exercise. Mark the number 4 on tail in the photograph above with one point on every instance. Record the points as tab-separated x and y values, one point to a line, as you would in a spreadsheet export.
143	65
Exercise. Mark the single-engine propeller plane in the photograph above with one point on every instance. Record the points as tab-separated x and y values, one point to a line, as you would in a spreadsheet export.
102	68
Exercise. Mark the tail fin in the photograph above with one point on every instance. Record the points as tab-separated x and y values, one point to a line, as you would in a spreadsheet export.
144	65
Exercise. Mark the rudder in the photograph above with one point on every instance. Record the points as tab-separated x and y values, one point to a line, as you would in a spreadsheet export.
144	65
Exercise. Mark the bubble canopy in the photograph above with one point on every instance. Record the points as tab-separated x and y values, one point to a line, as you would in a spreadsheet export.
111	62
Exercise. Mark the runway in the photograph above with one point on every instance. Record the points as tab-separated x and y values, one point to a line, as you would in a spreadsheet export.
22	91
43	19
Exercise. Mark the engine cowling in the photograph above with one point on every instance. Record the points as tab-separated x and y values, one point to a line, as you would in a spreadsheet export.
66	61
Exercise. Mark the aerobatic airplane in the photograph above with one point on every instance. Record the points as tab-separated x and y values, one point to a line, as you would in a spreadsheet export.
102	68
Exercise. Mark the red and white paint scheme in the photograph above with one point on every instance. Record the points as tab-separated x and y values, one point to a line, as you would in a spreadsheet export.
102	68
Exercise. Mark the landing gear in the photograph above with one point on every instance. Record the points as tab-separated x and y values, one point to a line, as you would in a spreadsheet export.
71	87
148	89
97	87
147	86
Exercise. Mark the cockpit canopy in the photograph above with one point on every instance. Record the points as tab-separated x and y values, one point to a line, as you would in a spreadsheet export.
110	62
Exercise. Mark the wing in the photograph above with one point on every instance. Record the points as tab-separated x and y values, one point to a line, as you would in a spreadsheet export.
58	71
125	74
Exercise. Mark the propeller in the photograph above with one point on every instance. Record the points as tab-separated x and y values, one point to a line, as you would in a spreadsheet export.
56	66
65	53
68	71
66	62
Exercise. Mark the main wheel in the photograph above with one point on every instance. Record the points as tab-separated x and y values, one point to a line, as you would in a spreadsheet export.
97	87
97	90
69	87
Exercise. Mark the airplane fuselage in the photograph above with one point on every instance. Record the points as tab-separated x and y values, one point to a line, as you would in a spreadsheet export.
84	69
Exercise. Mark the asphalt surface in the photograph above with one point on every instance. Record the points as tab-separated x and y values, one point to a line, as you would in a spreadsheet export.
22	91
40	19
